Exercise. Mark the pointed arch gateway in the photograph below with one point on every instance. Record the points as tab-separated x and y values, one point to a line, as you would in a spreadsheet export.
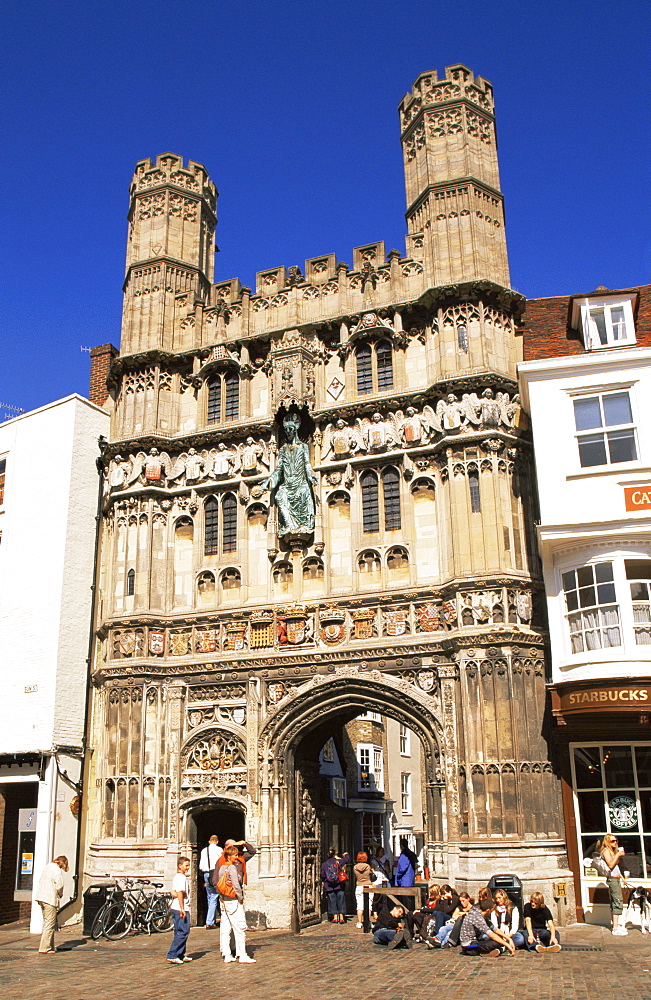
291	738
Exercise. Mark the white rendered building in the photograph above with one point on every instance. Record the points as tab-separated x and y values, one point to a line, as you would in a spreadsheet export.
589	395
48	506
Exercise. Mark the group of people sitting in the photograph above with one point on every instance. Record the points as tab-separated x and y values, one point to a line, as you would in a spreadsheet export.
489	928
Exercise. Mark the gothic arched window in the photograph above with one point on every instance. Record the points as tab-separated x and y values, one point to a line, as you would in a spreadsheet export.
131	583
223	398
391	490
229	523
370	502
374	367
211	514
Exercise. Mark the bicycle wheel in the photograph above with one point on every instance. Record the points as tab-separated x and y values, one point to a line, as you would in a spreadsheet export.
97	929
161	916
118	921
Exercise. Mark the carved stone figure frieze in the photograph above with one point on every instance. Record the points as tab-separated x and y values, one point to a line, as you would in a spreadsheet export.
378	434
418	428
253	456
340	441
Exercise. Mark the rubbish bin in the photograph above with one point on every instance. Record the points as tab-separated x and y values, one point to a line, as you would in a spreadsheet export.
94	899
512	887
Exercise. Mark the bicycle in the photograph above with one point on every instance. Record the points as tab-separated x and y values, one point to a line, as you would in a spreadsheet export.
129	906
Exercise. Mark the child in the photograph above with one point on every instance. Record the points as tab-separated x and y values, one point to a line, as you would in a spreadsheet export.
180	913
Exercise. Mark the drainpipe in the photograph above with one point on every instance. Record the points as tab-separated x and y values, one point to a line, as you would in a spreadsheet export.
102	443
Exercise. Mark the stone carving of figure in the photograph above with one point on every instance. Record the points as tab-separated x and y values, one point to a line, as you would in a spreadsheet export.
153	467
471	409
194	466
119	473
378	434
223	461
292	481
340	440
490	409
449	412
417	428
252	456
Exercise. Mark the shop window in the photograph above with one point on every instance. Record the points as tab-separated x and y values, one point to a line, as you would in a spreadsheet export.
604	429
374	368
592	610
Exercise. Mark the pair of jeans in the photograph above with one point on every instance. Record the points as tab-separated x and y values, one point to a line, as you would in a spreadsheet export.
212	898
383	935
541	936
233	919
181	931
336	901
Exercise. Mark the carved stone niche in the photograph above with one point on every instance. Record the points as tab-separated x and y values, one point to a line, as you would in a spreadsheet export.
214	750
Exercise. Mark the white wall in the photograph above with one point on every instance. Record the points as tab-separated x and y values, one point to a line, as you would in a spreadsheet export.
583	515
46	560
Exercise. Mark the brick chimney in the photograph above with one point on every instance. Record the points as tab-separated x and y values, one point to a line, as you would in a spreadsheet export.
101	359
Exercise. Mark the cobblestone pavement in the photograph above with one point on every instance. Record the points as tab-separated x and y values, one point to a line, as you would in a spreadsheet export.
322	963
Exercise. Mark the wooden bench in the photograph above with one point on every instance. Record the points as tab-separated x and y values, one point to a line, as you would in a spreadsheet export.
397	894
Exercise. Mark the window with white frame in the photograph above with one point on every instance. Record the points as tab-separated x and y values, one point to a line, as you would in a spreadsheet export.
605	431
339	791
404	741
371	767
405	792
592	610
608	604
605	322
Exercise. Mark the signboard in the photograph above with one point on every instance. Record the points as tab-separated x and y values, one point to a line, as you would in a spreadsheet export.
26	864
26	820
637	497
630	697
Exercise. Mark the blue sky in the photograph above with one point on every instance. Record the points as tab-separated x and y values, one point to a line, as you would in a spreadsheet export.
292	107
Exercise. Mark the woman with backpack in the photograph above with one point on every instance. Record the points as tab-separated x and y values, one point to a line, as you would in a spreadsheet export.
334	878
229	885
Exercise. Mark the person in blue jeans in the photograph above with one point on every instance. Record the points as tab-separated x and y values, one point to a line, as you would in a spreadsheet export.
209	858
387	925
541	932
180	914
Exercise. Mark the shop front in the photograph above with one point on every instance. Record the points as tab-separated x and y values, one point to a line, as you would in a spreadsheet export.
604	740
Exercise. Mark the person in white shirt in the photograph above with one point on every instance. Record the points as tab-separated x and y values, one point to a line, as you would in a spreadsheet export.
209	858
180	914
48	896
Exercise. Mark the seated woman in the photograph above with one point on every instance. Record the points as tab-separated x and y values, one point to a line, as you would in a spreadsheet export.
505	917
427	913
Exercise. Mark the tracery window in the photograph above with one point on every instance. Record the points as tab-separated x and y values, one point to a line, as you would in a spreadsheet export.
391	490
131	582
370	502
211	515
229	523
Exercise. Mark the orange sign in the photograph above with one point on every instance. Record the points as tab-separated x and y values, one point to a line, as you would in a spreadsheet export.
637	497
614	698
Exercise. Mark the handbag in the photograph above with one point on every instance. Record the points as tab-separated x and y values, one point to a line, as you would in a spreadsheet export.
342	875
225	887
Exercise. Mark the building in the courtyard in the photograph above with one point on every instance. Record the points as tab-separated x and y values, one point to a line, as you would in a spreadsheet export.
587	385
319	504
48	512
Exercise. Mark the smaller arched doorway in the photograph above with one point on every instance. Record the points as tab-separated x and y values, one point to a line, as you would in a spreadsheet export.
206	817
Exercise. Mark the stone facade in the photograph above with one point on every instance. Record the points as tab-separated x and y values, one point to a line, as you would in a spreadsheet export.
227	652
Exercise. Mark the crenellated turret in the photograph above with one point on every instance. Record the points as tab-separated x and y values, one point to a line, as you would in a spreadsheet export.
454	203
170	252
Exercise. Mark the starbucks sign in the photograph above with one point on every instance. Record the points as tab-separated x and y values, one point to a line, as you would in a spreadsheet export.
623	812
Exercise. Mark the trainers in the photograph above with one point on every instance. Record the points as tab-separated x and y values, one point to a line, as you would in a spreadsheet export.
540	948
246	960
554	947
621	931
186	958
175	961
495	953
229	958
358	925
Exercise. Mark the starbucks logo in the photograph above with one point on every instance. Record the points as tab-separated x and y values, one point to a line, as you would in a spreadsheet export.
623	812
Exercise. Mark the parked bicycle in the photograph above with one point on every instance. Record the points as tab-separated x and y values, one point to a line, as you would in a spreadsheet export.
131	906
